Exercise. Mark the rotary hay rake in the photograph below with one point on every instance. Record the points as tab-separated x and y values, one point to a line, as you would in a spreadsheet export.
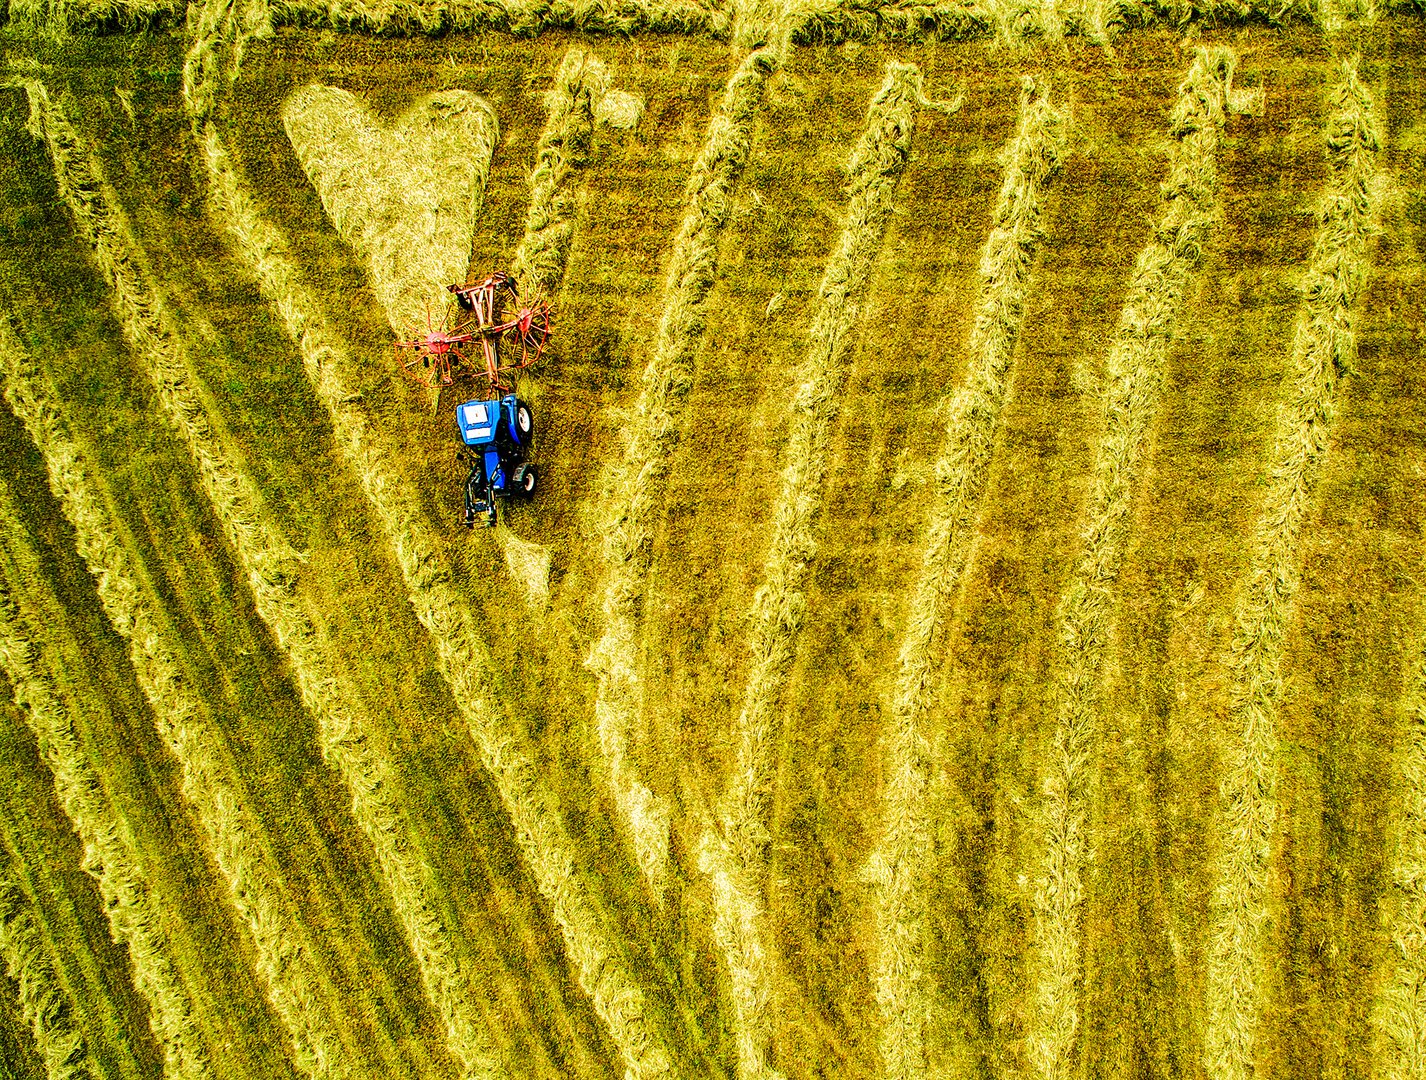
486	316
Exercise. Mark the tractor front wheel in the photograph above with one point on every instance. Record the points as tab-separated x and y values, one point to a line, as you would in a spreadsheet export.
525	480
524	422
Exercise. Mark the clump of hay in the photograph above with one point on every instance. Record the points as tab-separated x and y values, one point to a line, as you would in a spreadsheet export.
403	195
619	109
529	564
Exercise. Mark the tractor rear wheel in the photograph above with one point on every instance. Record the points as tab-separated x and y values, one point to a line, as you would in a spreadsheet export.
524	421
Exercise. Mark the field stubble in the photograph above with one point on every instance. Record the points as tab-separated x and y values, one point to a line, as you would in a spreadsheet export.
820	832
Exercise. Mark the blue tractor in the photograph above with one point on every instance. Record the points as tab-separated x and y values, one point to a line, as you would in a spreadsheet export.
498	432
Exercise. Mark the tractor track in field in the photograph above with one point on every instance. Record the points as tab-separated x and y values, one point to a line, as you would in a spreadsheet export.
1399	1008
1323	349
901	868
1132	388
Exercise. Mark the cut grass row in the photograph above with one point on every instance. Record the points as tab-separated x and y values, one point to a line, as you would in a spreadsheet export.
816	23
272	569
874	170
56	19
598	957
519	17
902	868
1324	348
111	854
651	435
298	987
540	260
1129	403
210	780
1013	21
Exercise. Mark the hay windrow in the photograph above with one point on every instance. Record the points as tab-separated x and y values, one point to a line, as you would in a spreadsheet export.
405	195
1129	403
57	19
580	84
272	568
519	17
591	944
1399	1008
211	782
825	22
874	170
1323	349
43	1003
111	853
902	870
651	434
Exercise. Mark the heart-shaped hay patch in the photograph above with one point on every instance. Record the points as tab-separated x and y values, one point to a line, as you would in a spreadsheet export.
403	195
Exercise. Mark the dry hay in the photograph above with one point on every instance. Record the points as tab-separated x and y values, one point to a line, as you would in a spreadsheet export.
1323	348
529	564
902	869
57	19
111	852
1132	388
540	260
1015	22
619	109
404	195
520	17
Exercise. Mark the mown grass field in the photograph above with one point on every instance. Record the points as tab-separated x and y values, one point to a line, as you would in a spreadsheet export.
970	624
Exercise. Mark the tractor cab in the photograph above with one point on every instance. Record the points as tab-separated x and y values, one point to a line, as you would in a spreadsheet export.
497	433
